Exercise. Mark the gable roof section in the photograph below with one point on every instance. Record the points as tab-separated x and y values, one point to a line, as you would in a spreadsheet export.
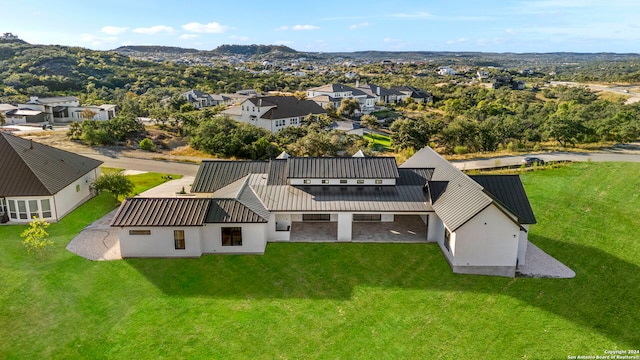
414	177
214	175
509	192
28	168
462	199
342	167
161	212
231	211
287	107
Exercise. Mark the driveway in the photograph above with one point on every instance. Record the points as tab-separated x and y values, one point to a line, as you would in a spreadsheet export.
99	241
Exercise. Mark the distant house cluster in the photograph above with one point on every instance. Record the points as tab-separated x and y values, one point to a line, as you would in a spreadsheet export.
62	109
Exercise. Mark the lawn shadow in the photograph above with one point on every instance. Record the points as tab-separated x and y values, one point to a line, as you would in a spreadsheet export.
604	295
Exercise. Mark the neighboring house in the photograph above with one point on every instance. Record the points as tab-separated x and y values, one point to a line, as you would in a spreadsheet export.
349	127
381	94
418	95
334	93
67	109
508	81
15	116
274	113
198	99
479	223
42	181
446	70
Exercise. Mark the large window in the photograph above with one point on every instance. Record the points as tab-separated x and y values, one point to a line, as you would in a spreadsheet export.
367	217
447	239
46	208
316	217
139	232
12	210
178	239
3	206
33	209
22	209
231	236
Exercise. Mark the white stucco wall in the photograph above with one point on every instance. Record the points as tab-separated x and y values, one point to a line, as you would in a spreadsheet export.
160	243
70	198
435	230
282	220
488	239
254	239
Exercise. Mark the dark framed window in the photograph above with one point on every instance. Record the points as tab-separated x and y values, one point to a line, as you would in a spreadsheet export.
306	181
46	208
360	181
324	181
343	181
139	232
316	217
378	181
231	236
367	217
178	239
447	239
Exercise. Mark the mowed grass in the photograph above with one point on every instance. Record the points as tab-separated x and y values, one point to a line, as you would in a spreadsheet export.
327	300
381	142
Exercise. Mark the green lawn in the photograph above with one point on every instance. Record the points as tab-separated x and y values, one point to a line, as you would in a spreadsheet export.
341	301
381	142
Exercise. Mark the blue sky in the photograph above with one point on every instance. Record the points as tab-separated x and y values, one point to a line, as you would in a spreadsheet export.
326	26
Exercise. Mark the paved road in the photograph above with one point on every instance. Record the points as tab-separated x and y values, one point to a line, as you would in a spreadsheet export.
167	167
613	155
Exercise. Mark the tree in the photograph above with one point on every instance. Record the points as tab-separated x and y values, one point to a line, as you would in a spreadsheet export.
35	237
369	121
115	182
348	106
147	144
88	114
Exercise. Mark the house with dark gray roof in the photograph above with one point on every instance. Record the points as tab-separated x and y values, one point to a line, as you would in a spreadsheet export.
480	223
334	93
410	92
198	99
382	94
275	113
42	181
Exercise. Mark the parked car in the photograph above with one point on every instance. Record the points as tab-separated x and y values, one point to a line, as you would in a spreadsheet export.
530	160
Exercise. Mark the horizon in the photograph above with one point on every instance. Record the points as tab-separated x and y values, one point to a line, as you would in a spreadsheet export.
512	26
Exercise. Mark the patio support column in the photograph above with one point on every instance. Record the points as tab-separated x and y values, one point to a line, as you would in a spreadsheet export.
344	226
435	228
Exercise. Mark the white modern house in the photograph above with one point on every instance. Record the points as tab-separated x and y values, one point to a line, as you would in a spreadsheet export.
334	93
274	113
41	181
67	109
480	224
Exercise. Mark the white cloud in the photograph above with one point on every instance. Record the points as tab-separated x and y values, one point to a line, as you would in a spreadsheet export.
114	30
189	36
209	28
97	41
282	28
153	30
359	26
304	27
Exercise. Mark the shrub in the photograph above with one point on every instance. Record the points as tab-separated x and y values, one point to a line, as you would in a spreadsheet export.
147	145
460	150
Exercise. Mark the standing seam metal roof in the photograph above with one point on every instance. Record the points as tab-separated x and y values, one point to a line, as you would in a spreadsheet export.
161	212
508	191
214	175
343	168
28	168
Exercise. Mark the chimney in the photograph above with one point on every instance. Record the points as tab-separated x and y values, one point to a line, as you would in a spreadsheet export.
33	98
357	83
259	102
378	91
31	144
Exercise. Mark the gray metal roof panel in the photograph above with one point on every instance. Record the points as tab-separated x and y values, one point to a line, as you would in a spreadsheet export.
231	211
28	168
508	191
214	175
342	168
161	212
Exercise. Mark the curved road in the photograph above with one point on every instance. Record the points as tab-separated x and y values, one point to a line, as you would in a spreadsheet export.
162	166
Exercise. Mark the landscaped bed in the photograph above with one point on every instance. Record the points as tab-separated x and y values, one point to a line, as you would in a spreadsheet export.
330	300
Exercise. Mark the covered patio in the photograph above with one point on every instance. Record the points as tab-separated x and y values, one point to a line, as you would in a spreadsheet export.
315	231
404	228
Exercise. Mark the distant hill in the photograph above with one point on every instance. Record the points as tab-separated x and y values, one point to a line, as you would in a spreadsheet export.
154	49
251	50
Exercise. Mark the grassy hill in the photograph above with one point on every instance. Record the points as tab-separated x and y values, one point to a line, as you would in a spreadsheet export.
330	300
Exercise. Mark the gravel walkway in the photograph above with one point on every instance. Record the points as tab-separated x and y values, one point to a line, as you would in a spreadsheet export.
97	241
539	264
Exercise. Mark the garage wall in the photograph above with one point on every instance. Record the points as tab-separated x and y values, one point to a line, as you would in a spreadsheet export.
254	239
159	243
